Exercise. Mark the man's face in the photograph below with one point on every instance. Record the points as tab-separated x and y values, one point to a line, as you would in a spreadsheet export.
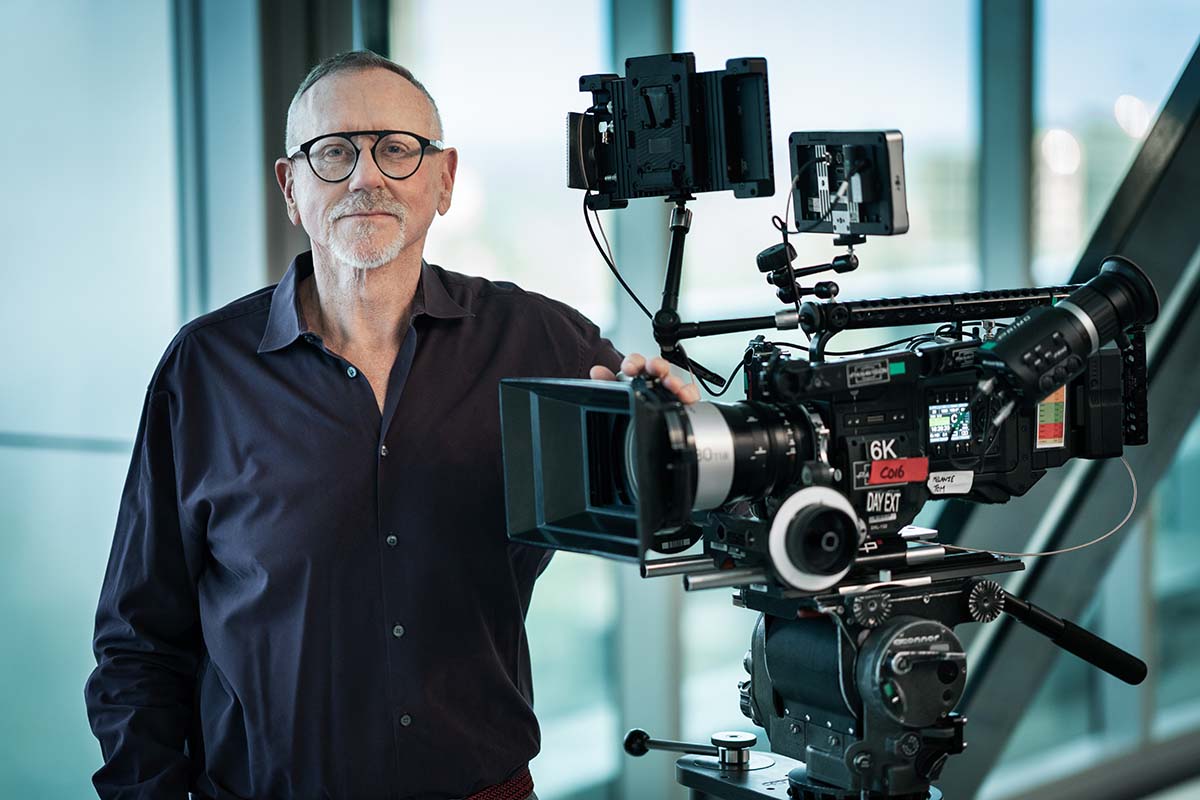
368	219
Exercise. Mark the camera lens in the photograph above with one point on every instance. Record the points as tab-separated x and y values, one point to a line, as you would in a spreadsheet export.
743	450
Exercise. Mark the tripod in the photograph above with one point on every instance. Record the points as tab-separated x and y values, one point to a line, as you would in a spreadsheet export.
856	688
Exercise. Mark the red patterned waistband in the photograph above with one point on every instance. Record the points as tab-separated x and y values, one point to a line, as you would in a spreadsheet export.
518	787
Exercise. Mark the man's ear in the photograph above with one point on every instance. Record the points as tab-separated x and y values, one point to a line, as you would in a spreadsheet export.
449	170
284	175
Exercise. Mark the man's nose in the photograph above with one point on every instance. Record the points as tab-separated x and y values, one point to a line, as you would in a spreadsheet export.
366	174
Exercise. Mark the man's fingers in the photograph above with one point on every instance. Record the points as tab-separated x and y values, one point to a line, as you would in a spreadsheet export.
633	364
659	366
686	392
601	373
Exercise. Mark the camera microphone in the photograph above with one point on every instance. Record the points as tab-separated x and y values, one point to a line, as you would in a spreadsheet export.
1050	345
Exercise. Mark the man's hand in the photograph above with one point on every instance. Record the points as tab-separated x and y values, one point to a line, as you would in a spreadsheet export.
635	364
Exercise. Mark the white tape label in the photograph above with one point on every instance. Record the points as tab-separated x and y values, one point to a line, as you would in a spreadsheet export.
954	482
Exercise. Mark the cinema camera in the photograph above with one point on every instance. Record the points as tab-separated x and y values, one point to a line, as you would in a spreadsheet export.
803	495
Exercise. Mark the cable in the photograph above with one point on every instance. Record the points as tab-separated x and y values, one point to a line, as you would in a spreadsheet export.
728	381
604	236
787	209
789	344
879	347
606	253
1097	540
608	258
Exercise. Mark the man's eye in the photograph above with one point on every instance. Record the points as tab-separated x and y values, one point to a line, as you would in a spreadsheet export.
332	152
398	151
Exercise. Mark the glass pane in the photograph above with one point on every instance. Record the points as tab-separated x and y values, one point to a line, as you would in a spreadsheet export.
56	546
513	216
1102	72
716	635
1060	712
571	626
88	219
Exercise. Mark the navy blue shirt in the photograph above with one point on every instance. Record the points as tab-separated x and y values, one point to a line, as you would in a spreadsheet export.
305	597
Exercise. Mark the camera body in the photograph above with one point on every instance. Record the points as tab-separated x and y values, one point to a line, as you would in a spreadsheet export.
890	431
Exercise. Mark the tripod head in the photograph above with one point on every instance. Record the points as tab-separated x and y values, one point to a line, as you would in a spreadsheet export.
856	688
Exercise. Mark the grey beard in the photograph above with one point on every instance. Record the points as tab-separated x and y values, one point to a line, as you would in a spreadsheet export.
356	252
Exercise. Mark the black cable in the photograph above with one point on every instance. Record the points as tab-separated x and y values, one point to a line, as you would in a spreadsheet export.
876	348
612	266
610	261
789	344
728	381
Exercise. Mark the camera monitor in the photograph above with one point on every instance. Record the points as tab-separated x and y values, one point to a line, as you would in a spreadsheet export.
870	163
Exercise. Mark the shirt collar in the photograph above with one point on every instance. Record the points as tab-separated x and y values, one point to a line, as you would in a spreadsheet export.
283	322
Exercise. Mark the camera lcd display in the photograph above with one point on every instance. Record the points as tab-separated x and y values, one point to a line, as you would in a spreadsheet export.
949	422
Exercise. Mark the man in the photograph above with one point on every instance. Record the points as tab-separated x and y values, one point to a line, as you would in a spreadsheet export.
310	592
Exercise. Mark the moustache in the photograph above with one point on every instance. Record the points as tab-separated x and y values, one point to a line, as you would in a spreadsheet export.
367	203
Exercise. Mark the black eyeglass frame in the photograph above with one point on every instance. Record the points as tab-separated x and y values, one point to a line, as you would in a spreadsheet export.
424	141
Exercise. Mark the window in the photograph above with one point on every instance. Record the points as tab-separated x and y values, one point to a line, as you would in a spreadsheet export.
514	218
91	298
1102	74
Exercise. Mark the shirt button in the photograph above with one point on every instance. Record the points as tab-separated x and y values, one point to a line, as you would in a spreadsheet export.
383	451
351	371
398	631
406	720
392	540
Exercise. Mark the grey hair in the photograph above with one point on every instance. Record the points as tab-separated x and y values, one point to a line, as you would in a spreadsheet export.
357	60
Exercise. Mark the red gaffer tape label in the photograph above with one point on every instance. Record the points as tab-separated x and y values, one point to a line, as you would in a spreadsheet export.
899	470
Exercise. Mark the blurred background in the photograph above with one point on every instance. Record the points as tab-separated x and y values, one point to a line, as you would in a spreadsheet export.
138	138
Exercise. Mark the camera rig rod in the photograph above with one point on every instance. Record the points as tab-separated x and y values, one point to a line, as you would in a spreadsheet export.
822	321
669	330
666	320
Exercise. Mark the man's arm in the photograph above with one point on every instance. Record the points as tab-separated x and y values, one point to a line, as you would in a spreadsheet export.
148	645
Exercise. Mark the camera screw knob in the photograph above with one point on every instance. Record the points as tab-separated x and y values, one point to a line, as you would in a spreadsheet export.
871	609
910	745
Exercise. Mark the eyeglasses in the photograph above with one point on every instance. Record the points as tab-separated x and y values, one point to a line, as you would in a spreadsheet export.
333	156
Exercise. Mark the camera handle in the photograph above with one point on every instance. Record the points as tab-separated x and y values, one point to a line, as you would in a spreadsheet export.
731	748
1084	644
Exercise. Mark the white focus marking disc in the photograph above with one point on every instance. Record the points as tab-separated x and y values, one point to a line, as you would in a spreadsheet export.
777	541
